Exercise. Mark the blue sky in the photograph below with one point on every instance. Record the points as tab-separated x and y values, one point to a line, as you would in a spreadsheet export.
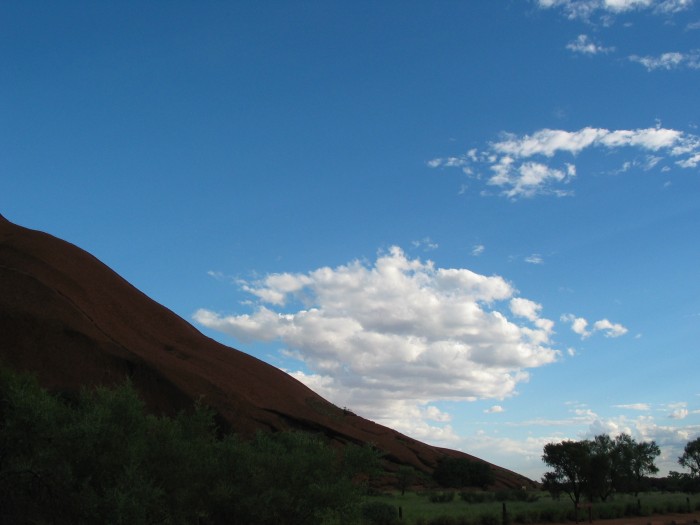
475	222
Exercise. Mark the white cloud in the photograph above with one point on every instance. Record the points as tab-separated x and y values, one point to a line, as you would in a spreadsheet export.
667	61
584	9
535	258
579	325
495	409
433	413
584	45
679	413
389	338
478	249
426	244
609	329
635	406
521	166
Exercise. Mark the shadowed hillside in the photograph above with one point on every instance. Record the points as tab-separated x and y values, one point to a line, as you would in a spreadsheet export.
72	321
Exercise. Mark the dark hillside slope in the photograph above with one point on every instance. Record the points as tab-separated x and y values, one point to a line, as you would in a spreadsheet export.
73	322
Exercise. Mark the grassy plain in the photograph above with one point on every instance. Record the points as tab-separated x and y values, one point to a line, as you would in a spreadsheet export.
418	509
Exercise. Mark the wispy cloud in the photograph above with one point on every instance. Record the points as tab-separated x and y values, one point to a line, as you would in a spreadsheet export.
667	61
585	9
535	258
643	407
426	244
521	165
584	45
398	329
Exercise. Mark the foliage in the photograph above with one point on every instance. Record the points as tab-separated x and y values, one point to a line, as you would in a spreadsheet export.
102	459
379	513
599	467
404	477
570	460
462	472
691	457
417	508
441	497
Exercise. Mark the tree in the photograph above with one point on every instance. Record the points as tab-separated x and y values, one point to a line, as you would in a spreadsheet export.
633	462
404	477
600	469
691	457
570	461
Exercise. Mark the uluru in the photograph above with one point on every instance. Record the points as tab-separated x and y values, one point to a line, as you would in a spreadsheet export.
73	322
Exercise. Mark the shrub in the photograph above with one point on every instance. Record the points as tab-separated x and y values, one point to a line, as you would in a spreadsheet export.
442	497
462	472
516	495
379	513
527	516
477	497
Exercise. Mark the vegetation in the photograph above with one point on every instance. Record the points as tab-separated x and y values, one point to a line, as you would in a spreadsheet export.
528	507
101	459
599	467
462	472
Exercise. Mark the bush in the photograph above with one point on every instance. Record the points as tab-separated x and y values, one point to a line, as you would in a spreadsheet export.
462	472
489	519
442	497
477	497
102	459
379	513
516	495
527	516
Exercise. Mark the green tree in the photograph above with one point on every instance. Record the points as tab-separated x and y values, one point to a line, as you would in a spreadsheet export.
571	463
34	475
690	459
405	475
633	462
600	472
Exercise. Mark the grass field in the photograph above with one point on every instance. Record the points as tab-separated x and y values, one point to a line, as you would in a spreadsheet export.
418	509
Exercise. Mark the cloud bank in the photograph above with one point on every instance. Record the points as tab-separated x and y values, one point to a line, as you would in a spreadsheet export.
389	339
521	166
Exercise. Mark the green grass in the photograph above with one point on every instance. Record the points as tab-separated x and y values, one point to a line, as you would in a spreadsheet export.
419	510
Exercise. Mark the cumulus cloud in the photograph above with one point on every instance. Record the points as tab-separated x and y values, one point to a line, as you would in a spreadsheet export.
586	46
580	326
495	409
609	329
389	338
520	166
667	61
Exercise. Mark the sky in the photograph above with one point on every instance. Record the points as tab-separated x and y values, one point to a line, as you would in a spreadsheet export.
475	222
